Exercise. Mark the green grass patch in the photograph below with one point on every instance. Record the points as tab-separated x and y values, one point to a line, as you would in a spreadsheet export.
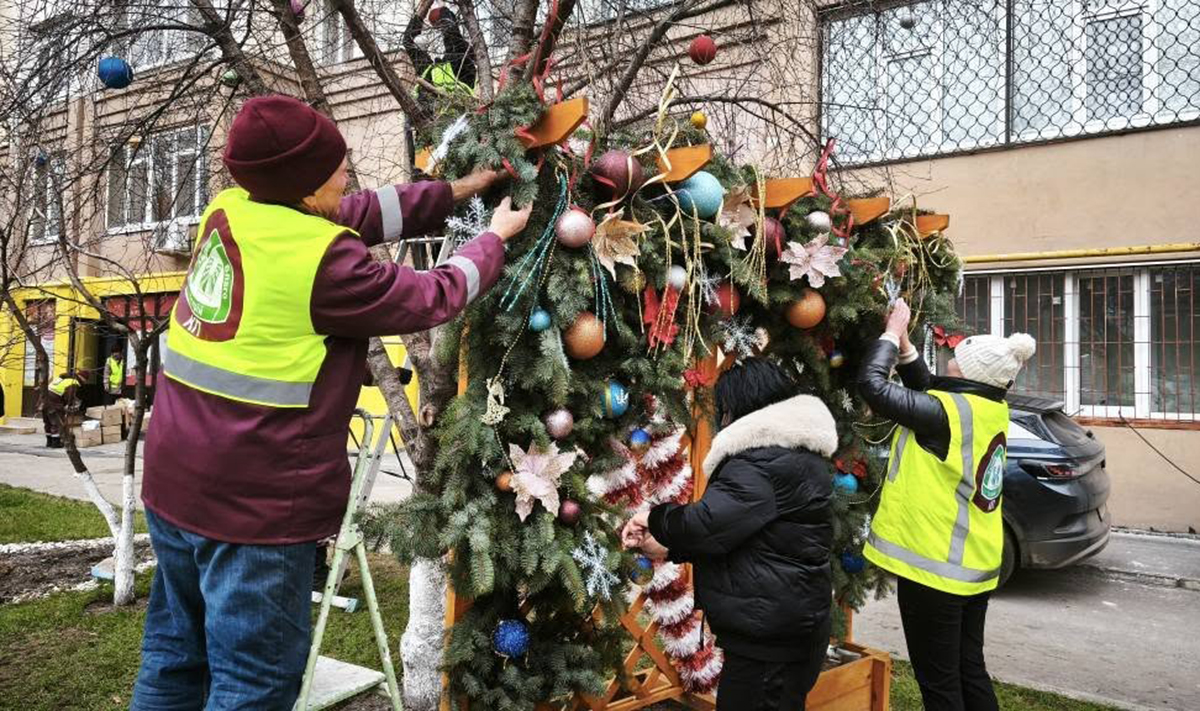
906	695
74	651
27	515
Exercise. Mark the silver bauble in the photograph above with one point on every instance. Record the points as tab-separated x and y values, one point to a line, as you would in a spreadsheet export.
677	277
559	423
575	228
819	221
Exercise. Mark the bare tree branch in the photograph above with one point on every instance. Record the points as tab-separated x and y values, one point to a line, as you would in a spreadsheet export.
217	28
483	60
400	89
549	39
524	16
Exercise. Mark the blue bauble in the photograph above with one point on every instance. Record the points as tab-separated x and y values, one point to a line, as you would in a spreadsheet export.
703	193
846	483
643	569
616	399
639	439
115	72
836	359
511	638
853	563
539	320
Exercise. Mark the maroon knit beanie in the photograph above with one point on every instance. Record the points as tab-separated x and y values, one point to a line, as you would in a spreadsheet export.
281	150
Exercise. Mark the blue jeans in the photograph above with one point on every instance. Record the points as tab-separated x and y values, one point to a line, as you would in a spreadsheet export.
227	625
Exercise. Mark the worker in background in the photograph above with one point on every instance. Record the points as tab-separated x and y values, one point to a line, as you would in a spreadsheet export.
114	375
62	398
938	528
455	71
246	467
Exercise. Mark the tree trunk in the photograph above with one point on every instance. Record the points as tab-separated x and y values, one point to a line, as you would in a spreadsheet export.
422	641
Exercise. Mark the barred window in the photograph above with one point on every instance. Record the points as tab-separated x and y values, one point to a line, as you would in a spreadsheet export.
160	179
940	76
1111	342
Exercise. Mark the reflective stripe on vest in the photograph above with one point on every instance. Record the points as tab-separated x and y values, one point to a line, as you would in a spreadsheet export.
116	373
242	327
939	522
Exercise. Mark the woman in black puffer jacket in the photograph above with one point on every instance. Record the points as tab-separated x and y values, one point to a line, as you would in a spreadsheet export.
759	538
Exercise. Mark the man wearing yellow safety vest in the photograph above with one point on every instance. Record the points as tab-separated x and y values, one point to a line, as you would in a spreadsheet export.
455	71
114	374
939	527
62	396
245	464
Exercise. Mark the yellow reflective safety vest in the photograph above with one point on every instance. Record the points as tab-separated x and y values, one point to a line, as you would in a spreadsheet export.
441	75
60	385
939	522
116	374
242	327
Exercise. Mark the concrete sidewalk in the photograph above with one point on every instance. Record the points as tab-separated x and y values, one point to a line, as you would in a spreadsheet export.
25	462
1173	559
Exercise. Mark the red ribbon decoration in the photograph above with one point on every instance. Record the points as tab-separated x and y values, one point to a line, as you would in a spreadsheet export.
660	316
838	208
950	340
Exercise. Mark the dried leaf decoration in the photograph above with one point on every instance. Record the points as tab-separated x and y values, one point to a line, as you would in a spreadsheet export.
615	241
738	216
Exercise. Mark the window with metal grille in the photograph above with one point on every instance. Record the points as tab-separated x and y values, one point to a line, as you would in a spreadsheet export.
1114	342
942	76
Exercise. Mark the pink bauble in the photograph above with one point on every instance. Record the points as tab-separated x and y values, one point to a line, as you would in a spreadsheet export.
775	235
297	7
559	423
617	174
569	512
575	228
702	50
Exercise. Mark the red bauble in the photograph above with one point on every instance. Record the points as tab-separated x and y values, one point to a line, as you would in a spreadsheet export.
776	236
808	310
585	338
569	512
703	50
617	174
729	300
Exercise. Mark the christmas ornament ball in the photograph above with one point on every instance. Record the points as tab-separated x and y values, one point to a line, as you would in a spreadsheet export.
819	221
616	399
618	173
677	277
808	310
836	359
908	21
845	483
115	72
575	228
504	481
702	50
539	320
559	423
569	512
639	440
853	563
702	194
775	235
643	569
297	7
699	120
729	300
230	78
511	638
41	159
585	338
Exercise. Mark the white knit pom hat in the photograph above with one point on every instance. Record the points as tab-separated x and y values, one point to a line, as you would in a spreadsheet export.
994	360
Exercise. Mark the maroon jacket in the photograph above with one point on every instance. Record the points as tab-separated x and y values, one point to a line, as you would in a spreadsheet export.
244	473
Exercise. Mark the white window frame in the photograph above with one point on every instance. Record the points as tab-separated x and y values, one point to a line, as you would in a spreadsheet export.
173	45
145	156
53	169
1142	407
336	44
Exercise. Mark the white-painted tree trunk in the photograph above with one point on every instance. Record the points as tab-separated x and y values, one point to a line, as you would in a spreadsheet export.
123	557
101	503
423	639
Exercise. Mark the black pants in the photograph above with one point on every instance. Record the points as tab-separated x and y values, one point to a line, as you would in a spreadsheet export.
755	685
944	633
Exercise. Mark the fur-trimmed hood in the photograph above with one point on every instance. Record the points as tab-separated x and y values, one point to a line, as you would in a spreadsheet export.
799	422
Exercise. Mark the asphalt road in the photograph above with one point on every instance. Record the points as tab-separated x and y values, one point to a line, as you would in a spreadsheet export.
1091	632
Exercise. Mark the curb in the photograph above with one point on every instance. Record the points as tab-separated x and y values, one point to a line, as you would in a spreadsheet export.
1165	581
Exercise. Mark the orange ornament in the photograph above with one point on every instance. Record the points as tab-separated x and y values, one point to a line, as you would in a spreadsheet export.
585	338
808	310
504	481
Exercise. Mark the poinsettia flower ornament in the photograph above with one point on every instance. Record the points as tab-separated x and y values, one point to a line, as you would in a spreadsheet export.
536	474
816	260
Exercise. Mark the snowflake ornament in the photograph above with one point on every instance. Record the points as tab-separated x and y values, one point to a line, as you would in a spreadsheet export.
536	474
815	260
739	336
847	402
466	228
593	563
891	287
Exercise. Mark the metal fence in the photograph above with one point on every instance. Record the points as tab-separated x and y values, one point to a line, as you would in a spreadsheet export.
902	80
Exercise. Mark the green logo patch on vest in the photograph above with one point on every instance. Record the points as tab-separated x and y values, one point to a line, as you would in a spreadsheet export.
989	476
210	285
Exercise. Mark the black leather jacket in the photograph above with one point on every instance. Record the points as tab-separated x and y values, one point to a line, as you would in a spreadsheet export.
908	404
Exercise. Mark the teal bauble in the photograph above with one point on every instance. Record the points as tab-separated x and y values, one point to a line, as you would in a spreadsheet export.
616	399
845	483
539	320
701	193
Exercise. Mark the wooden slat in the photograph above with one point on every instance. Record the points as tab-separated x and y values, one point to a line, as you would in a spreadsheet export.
421	160
867	210
928	224
782	192
557	123
685	162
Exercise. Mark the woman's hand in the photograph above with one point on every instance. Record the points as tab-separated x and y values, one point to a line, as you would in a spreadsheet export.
897	321
507	222
636	530
471	185
652	549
